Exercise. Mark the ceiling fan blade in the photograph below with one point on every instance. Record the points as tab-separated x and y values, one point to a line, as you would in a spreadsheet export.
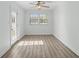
41	2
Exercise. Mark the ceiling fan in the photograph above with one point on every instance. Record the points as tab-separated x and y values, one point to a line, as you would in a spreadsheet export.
39	4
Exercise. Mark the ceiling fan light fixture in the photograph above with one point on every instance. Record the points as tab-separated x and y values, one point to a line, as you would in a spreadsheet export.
39	7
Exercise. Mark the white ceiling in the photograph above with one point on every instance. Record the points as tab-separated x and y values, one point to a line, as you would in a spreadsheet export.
28	6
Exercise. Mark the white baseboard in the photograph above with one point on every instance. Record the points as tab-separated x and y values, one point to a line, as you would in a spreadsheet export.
71	48
39	34
20	36
4	51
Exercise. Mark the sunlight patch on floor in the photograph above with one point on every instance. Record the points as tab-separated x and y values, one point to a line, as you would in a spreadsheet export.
23	43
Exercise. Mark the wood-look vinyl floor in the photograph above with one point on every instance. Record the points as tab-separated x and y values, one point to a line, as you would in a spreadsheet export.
39	46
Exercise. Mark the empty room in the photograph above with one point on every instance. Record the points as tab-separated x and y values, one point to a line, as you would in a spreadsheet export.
39	29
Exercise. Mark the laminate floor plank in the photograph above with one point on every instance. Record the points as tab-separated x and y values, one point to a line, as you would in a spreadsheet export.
39	46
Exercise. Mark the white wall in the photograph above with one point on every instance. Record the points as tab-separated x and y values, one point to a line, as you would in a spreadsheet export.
20	22
38	29
4	28
5	24
65	24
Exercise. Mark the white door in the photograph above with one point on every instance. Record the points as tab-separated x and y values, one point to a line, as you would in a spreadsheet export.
13	27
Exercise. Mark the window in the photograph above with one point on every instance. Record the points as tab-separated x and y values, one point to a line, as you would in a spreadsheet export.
38	19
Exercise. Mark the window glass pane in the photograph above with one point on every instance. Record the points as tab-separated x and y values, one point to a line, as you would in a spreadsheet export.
38	19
